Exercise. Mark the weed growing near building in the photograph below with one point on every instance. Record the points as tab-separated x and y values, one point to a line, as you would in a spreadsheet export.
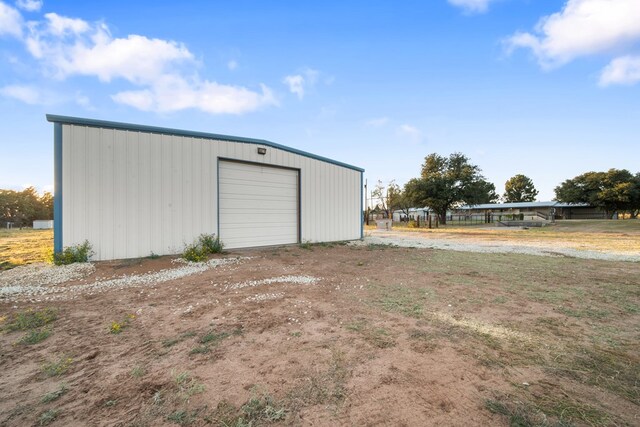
73	254
205	245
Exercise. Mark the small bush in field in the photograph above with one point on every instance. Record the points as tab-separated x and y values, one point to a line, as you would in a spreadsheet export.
55	368
201	248
210	243
36	336
31	319
73	254
117	327
195	253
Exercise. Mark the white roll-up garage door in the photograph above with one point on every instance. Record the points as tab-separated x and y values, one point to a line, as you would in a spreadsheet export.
258	205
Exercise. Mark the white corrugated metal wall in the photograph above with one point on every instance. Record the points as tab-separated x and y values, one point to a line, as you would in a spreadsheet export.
131	193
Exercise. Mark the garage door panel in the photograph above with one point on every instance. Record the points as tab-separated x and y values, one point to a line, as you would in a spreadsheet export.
258	205
247	187
266	232
248	178
248	219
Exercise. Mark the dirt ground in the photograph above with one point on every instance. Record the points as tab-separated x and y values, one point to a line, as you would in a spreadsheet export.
332	335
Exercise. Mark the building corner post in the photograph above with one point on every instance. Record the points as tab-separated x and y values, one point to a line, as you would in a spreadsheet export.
57	188
362	195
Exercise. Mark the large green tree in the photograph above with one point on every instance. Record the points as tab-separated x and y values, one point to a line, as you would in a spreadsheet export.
519	188
390	198
446	182
23	207
616	190
397	199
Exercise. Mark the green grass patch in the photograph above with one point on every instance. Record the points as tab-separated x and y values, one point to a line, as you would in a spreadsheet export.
55	368
212	339
401	299
378	337
48	417
35	336
180	417
170	342
260	409
55	395
589	312
612	369
187	385
138	371
31	319
517	415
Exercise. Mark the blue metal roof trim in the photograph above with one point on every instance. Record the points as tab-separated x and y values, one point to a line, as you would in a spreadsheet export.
194	134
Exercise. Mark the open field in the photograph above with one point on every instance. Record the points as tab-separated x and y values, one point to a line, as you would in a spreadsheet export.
18	247
327	335
620	236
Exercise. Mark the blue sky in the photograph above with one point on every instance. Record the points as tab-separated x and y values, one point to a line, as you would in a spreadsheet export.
547	89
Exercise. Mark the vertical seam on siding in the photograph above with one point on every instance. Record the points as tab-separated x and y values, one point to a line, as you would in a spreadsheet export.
218	195
300	205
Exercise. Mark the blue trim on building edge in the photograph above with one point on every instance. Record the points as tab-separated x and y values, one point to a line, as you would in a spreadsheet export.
179	132
361	206
57	188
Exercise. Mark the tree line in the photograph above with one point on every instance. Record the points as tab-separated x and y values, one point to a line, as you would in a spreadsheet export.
448	182
23	207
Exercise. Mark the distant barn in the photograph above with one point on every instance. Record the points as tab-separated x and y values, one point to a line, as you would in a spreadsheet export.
43	224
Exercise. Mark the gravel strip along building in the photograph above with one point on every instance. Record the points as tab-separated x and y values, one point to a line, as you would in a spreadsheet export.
133	190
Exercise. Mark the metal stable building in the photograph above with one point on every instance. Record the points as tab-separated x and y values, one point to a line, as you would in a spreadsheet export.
133	190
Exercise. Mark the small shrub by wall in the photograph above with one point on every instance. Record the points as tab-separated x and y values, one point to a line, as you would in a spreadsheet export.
205	245
73	254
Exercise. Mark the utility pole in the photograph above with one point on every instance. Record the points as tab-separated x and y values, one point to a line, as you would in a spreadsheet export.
366	203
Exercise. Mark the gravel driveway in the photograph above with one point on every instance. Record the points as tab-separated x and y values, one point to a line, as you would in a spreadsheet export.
467	244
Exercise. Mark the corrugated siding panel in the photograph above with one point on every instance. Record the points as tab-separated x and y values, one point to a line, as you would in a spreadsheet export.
131	193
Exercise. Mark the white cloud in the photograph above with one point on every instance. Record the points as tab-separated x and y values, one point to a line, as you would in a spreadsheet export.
472	6
94	52
163	72
296	84
411	133
10	21
582	28
377	122
174	93
27	94
232	65
29	5
622	70
61	25
83	101
299	83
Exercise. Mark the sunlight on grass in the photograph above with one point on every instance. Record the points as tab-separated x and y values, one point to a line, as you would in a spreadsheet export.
18	247
598	235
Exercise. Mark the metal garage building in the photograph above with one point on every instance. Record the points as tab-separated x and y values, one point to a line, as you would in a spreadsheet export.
133	190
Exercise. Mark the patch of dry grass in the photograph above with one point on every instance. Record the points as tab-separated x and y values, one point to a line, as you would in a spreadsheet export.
494	331
598	235
574	320
19	247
